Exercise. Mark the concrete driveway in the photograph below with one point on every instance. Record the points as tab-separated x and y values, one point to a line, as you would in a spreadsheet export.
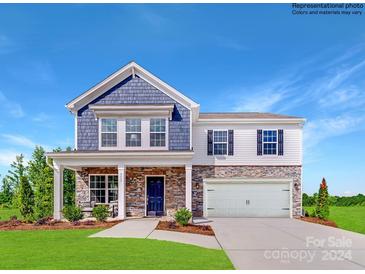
269	243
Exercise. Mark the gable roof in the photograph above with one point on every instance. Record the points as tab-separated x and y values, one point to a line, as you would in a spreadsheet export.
131	68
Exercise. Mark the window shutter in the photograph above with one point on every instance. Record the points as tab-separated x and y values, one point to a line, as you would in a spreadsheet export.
280	142
259	142
230	142
210	142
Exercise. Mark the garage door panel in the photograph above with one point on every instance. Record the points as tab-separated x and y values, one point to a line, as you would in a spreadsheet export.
247	200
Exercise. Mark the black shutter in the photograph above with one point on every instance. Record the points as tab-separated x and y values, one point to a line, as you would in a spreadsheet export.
230	142
280	142
210	142
259	142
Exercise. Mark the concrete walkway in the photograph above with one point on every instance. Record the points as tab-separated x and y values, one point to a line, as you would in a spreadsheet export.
133	228
145	229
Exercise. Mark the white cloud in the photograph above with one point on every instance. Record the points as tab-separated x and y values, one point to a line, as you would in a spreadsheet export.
18	140
263	102
316	131
11	107
6	45
41	117
8	156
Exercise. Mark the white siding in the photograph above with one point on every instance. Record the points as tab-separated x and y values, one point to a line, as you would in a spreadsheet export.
245	145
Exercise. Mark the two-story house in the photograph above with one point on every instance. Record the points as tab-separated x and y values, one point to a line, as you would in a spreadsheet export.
145	146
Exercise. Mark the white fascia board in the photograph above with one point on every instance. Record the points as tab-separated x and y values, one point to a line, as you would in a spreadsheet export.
78	160
300	121
119	76
94	92
120	155
239	180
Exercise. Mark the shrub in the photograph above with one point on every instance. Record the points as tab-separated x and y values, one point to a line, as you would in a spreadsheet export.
72	213
100	212
26	199
322	210
182	216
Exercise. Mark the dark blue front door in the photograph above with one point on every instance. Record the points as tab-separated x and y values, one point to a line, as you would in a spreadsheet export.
155	196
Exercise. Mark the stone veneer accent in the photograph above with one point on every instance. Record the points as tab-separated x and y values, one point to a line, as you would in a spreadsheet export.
201	172
175	184
135	187
82	181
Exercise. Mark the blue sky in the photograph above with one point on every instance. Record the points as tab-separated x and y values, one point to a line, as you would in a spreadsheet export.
226	57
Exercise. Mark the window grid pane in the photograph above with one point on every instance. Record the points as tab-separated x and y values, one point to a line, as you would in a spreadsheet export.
133	133
270	142
220	142
108	125
158	132
103	188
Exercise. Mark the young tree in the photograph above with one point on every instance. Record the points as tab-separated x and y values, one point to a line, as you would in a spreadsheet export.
6	192
17	170
322	208
41	178
69	185
26	199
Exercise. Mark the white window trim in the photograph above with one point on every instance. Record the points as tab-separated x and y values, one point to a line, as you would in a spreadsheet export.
277	142
100	134
145	133
106	187
165	132
226	130
125	131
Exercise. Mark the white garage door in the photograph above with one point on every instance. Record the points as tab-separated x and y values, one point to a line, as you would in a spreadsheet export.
247	199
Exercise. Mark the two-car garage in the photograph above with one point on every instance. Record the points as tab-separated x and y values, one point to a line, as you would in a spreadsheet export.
242	197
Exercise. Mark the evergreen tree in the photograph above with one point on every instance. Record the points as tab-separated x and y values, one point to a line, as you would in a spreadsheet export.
322	208
26	199
41	178
6	193
17	170
69	185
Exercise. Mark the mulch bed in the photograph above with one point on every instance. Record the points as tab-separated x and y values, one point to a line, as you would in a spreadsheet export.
190	228
50	224
318	221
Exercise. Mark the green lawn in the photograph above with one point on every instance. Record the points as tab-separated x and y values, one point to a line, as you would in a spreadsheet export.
6	213
347	217
72	249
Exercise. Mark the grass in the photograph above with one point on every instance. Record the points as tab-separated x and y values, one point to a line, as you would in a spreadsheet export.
347	217
6	213
72	249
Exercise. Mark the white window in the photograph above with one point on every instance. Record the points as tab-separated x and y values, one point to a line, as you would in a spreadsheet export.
270	142
103	188
108	132
133	133
220	142
158	132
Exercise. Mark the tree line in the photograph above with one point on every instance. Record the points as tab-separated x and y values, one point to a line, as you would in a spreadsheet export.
358	200
29	186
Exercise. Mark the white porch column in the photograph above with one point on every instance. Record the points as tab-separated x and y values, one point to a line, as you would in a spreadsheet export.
57	191
188	187
121	191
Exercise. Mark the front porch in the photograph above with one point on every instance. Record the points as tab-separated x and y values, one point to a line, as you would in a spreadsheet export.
149	186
